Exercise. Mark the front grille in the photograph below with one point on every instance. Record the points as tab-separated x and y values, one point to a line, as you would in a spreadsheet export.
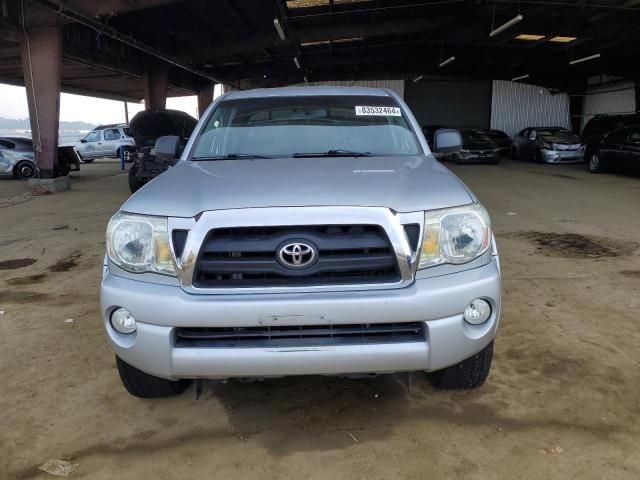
299	336
247	257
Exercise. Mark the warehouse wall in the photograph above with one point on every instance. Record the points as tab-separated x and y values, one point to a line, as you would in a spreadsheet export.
450	102
611	98
518	105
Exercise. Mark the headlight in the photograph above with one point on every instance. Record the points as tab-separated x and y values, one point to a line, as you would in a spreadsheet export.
139	243
455	235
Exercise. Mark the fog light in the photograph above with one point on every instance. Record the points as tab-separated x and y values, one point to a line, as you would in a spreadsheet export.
122	321
477	312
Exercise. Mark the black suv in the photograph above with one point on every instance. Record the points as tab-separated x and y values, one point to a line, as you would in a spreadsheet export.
618	148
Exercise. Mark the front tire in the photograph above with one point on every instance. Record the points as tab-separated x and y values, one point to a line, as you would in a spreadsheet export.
468	374
595	164
537	156
25	170
143	385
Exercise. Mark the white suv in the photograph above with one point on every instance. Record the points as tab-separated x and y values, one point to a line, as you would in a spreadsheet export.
104	141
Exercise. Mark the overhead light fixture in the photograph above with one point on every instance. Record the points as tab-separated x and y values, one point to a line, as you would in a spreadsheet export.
530	37
297	62
418	78
504	26
276	23
584	59
521	77
447	61
561	39
348	39
318	42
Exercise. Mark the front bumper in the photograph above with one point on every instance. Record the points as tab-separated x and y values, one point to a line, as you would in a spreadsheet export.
437	301
491	157
563	156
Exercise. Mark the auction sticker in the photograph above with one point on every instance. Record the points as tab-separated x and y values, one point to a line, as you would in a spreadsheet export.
379	111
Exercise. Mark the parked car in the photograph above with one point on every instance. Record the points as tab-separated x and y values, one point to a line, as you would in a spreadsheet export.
620	148
600	125
146	127
303	231
547	145
17	158
429	131
501	139
477	147
105	141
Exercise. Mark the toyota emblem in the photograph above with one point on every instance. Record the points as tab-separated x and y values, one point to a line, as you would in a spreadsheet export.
297	255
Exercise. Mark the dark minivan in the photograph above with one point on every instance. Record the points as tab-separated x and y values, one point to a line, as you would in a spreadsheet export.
620	148
600	125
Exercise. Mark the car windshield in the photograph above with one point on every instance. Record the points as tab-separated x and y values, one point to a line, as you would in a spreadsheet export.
469	136
559	134
335	125
497	134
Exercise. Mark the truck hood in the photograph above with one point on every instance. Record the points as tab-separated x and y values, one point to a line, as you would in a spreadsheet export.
403	184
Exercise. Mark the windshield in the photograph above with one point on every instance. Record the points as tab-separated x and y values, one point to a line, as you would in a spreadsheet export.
305	125
497	135
558	134
474	136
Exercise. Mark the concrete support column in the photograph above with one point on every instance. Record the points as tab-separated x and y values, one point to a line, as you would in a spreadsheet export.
205	97
156	79
41	56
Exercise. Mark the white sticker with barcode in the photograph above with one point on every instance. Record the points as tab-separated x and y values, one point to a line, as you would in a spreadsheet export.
379	111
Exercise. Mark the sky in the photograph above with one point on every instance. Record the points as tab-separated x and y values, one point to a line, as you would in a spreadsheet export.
13	104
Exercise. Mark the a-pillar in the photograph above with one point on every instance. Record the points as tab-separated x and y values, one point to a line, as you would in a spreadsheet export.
41	50
205	97
156	78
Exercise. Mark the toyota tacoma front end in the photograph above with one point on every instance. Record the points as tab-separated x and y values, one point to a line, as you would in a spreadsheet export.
303	231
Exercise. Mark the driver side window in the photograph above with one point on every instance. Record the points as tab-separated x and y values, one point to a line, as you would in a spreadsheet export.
93	137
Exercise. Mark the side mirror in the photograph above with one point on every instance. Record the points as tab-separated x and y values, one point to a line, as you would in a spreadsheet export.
168	148
83	141
446	142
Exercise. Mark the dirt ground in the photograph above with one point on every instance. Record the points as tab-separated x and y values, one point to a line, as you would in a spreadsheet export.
562	400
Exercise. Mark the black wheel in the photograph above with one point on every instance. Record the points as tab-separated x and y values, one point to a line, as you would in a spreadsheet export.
24	170
134	182
537	156
595	164
494	162
143	385
86	160
469	373
514	153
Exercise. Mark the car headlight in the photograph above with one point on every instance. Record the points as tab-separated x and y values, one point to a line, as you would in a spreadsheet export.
139	243
455	235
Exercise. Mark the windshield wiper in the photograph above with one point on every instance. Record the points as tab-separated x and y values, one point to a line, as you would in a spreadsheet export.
229	156
332	153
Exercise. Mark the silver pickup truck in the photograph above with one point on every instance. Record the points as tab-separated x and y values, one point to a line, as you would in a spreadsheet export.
303	231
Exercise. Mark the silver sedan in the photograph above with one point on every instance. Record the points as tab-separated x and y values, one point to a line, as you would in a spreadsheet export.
16	157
